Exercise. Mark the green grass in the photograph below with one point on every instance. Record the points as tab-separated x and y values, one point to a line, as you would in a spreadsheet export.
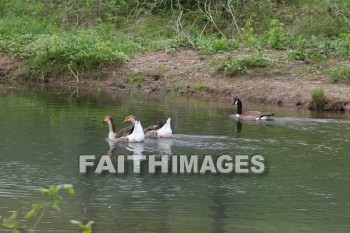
200	86
318	96
341	73
212	45
138	79
243	63
302	54
55	37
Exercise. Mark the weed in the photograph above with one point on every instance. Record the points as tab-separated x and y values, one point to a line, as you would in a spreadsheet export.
73	36
249	37
212	45
275	36
139	79
302	54
30	221
342	44
241	64
201	86
318	99
341	73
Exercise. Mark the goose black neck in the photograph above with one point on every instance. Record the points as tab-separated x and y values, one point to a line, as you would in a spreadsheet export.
239	107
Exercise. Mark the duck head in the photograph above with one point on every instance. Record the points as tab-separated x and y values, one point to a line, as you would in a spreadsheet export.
238	102
109	120
130	118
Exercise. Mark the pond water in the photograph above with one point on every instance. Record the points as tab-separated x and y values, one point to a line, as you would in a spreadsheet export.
306	187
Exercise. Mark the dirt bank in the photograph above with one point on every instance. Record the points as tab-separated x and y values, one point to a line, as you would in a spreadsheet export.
184	72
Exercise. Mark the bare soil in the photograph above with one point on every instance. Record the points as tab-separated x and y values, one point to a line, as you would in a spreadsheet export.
185	72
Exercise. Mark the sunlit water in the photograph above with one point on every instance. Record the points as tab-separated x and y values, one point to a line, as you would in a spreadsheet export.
306	187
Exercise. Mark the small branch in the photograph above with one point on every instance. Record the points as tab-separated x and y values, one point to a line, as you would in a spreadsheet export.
75	75
230	10
341	14
134	9
39	218
179	27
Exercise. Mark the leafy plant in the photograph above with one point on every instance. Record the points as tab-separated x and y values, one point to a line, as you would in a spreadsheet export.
200	86
85	228
241	64
302	54
275	36
342	44
340	73
213	45
318	99
38	210
249	37
138	78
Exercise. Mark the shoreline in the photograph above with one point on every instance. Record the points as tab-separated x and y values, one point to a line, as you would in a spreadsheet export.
185	72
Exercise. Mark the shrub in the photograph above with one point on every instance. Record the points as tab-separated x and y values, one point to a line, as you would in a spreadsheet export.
81	51
30	221
201	86
250	39
318	99
275	36
340	73
138	78
318	96
241	64
342	44
302	54
211	45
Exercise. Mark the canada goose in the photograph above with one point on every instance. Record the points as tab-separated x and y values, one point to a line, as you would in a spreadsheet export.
250	115
156	130
133	133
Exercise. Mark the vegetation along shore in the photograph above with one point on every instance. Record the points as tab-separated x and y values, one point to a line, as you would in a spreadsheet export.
291	53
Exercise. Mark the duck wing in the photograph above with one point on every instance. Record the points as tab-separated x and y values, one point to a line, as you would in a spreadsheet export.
154	126
258	114
266	114
125	132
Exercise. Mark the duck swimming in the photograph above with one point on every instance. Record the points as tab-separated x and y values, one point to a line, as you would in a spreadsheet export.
250	115
156	130
133	133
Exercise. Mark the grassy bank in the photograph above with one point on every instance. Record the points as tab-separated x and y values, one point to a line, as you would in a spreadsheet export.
72	37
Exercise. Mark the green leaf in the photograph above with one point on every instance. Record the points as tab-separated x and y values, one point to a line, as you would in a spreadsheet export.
36	206
13	216
55	206
78	223
44	191
90	223
30	214
53	189
71	191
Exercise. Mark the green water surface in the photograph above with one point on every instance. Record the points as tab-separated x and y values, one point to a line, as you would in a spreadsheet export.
306	186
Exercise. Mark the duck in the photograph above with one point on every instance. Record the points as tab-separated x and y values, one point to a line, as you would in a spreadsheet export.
157	130
250	115
133	133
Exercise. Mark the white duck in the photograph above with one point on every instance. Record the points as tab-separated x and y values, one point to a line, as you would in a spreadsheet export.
156	130
137	134
132	133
